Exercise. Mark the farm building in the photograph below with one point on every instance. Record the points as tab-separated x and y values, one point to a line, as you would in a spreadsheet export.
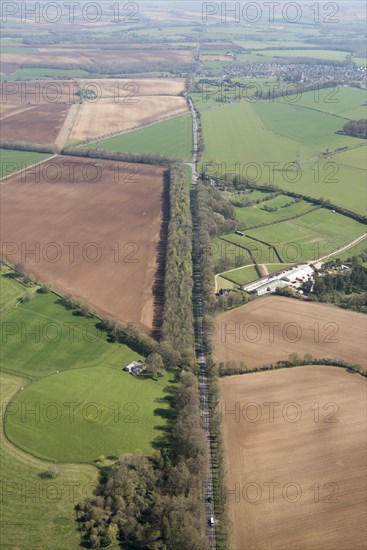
293	275
135	368
269	287
299	273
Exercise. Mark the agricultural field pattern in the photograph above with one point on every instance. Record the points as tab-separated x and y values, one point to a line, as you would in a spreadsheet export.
183	277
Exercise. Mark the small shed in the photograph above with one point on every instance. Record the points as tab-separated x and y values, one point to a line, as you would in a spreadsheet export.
135	367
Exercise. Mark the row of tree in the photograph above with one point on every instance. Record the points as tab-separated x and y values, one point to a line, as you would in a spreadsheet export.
154	503
178	321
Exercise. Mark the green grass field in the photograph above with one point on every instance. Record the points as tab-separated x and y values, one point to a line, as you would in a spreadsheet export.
172	138
356	158
236	134
51	73
113	411
242	275
353	251
262	253
338	100
42	336
309	127
254	215
311	236
333	55
12	161
10	289
224	283
35	512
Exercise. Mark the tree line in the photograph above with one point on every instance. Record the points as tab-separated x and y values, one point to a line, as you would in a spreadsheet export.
154	502
178	318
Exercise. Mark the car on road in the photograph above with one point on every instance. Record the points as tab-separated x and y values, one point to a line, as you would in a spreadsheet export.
211	521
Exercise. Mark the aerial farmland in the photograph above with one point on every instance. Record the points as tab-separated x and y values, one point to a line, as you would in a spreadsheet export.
183	275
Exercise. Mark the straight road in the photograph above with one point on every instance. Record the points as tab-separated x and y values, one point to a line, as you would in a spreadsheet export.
199	312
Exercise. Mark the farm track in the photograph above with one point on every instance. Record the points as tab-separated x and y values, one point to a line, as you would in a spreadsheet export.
199	312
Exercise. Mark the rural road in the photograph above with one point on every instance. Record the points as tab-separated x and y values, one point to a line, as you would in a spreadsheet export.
199	312
349	245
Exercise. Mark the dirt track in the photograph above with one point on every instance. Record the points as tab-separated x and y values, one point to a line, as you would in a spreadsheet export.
267	330
115	223
297	482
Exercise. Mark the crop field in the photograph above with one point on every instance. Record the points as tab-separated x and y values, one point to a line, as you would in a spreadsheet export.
12	161
126	90
19	125
108	117
35	111
298	476
114	411
311	236
112	211
245	334
171	138
236	134
21	483
85	57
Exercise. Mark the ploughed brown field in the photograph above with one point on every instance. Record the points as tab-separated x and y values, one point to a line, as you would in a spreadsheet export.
85	57
296	479
267	330
40	111
95	231
35	111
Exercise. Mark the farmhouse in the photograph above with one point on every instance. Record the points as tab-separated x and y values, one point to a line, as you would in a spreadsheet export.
135	368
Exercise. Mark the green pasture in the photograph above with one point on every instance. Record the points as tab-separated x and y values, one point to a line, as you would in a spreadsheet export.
242	275
262	252
352	251
332	55
338	100
51	73
224	283
36	512
311	236
356	158
235	133
41	337
254	215
10	289
112	411
309	127
172	138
